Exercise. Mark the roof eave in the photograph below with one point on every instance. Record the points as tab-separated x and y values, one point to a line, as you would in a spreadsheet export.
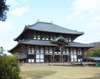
78	33
25	28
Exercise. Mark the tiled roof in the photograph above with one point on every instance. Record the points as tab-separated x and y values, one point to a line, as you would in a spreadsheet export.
50	27
48	43
93	58
76	44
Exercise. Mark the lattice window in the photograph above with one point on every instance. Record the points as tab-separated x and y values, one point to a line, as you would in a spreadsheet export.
34	37
69	39
38	37
46	50
30	60
50	50
31	50
67	51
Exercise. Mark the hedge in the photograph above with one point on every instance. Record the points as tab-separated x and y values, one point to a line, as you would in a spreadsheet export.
9	68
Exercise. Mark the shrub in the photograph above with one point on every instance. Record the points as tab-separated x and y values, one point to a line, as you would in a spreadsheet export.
9	68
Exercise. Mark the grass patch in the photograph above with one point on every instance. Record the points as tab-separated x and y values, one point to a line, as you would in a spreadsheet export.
43	71
36	74
97	76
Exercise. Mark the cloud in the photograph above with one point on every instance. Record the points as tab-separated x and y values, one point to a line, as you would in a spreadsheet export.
83	5
5	26
20	11
12	3
85	16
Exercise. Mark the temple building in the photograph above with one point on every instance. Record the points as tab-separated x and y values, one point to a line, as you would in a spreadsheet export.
45	42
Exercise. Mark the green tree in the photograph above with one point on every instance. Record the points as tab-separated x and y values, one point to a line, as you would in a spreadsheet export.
96	53
93	52
9	68
3	10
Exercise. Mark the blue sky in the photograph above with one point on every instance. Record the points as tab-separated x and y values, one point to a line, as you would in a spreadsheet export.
80	15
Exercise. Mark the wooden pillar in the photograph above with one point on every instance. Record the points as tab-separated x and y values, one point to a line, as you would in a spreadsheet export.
51	58
53	55
77	54
69	55
83	54
60	55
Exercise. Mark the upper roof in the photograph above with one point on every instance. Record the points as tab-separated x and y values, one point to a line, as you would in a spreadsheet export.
50	27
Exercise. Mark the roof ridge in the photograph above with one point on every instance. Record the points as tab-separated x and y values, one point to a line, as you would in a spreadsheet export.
32	25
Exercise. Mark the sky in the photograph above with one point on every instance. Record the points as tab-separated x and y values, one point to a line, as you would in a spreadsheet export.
80	15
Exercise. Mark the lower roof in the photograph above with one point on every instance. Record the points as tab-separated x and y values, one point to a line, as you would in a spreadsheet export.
93	58
48	43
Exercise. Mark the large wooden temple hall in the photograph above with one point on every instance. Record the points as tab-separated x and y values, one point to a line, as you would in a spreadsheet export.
45	42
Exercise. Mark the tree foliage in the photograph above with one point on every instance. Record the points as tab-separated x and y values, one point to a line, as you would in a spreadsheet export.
3	10
9	68
94	52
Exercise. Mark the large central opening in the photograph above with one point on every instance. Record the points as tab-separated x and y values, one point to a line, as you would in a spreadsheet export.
55	58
